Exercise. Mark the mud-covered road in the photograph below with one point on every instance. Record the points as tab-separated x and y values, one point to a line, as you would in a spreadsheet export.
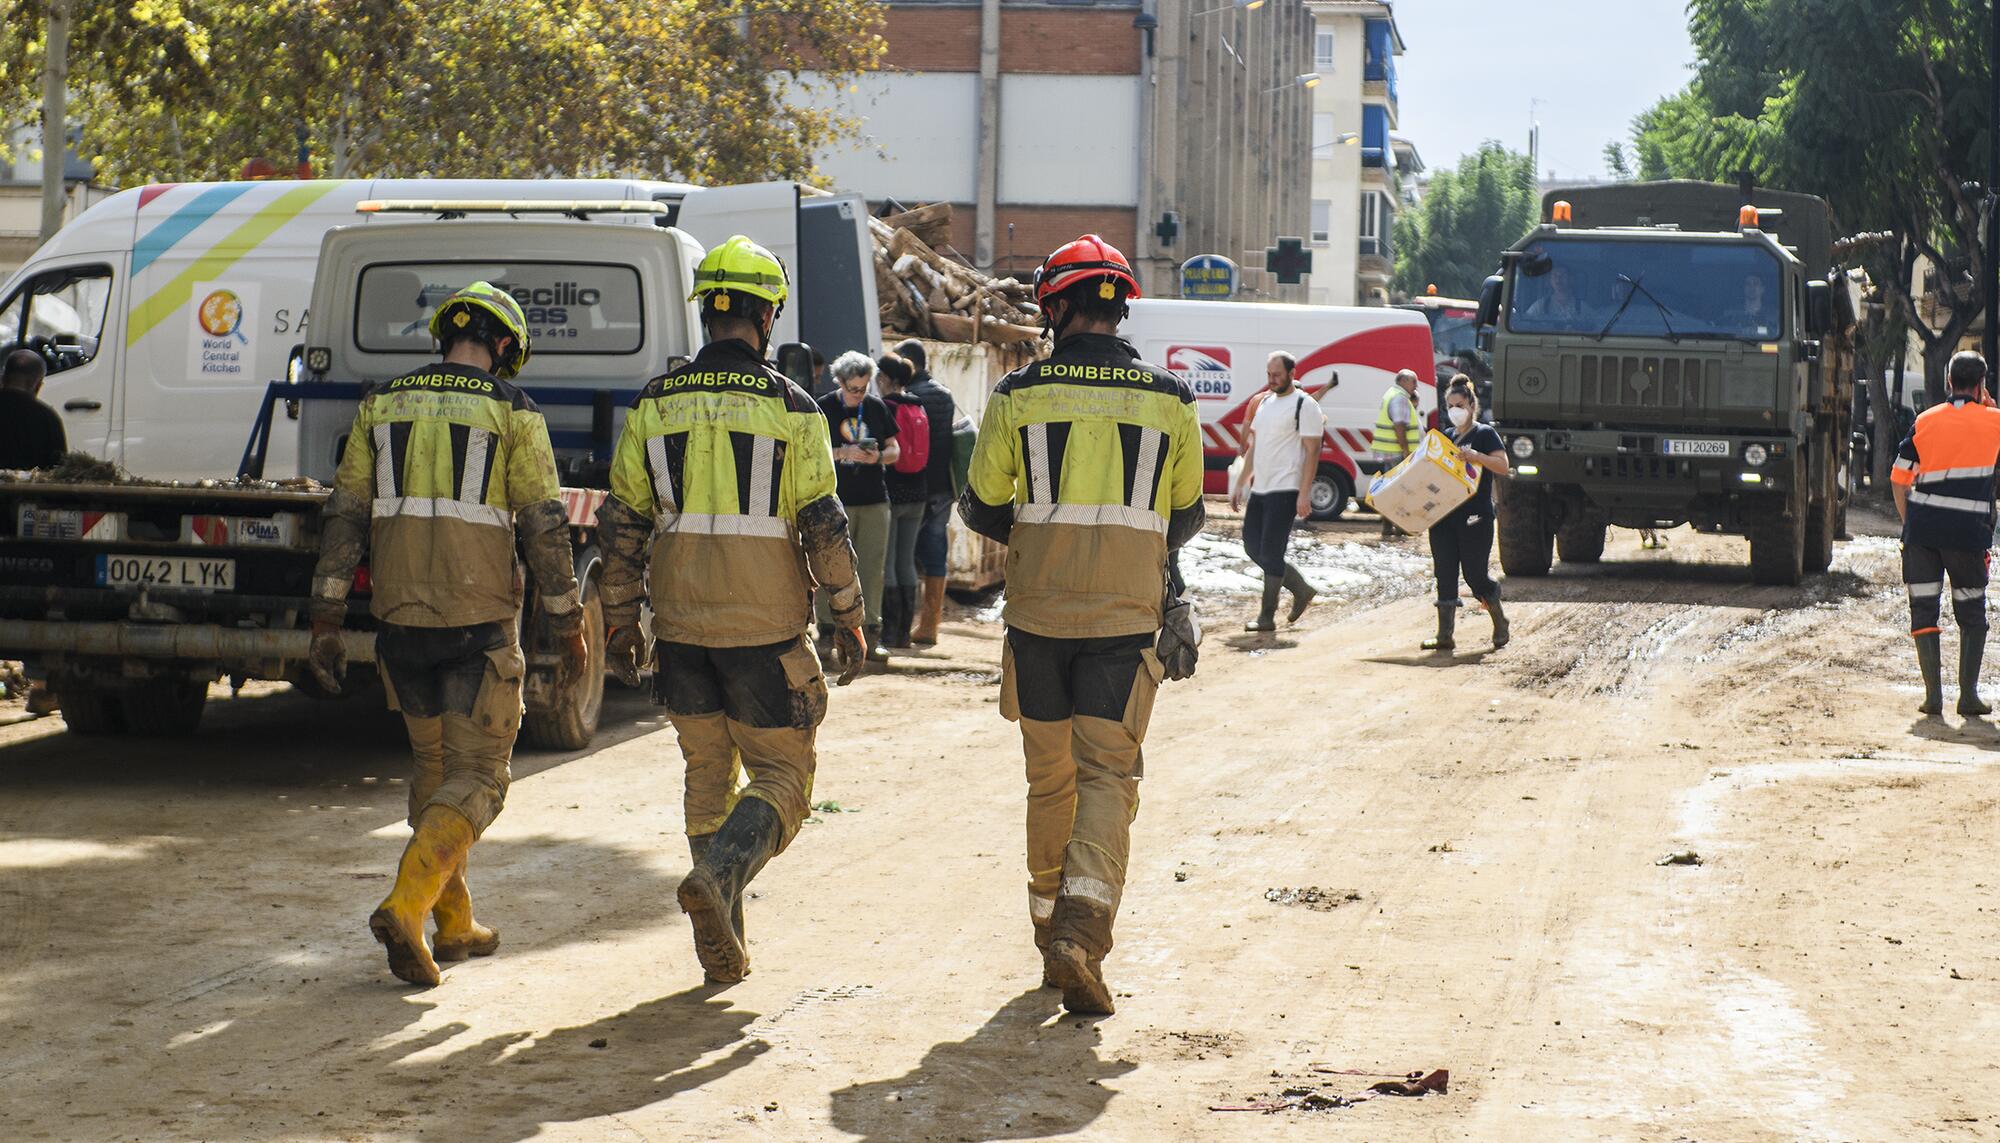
1464	854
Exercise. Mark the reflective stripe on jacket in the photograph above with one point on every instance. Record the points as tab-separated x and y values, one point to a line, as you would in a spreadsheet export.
444	456
720	455
1384	440
1095	449
1948	464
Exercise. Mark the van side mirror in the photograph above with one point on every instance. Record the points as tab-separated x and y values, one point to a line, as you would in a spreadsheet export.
1819	308
795	360
1489	302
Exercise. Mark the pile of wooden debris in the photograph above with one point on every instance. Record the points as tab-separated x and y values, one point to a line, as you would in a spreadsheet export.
925	294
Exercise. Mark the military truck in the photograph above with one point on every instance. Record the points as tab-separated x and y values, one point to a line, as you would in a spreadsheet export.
1668	353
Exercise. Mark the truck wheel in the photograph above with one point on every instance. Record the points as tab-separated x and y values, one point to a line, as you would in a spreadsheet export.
1778	550
90	711
165	708
571	722
1581	542
1331	490
1526	547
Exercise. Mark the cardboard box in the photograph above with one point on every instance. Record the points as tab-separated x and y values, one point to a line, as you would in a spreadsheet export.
1428	483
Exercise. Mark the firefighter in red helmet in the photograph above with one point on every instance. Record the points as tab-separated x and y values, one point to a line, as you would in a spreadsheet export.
1089	468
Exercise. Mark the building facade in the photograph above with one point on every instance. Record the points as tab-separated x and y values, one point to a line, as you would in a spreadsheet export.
1359	163
1171	127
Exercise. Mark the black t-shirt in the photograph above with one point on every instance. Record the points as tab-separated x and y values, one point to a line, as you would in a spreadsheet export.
872	421
31	433
1483	439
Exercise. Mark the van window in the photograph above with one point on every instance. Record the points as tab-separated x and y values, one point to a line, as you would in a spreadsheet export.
60	315
571	307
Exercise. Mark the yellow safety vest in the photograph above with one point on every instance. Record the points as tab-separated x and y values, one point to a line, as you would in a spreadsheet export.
1385	428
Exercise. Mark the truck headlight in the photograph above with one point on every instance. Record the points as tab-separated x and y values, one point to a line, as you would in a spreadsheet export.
1522	448
1755	455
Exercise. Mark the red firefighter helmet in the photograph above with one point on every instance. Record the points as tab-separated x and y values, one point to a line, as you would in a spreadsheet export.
1080	261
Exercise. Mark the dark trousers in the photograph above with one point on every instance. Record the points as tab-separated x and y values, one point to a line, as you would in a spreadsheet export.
1267	528
1924	572
933	543
1459	548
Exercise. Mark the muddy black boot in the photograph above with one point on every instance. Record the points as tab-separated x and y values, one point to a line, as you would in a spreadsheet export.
1302	593
712	893
1971	650
698	849
1501	631
1930	663
1267	612
896	606
877	653
1447	620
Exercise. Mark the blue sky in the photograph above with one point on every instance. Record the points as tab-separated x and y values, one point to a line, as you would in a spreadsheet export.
1473	65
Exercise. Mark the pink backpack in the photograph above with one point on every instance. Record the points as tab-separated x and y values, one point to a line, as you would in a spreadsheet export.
913	438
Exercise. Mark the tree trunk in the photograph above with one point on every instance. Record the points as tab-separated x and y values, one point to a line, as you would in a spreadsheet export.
1883	444
55	116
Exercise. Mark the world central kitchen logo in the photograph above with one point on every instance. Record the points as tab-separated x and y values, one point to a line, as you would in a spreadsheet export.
1204	367
221	348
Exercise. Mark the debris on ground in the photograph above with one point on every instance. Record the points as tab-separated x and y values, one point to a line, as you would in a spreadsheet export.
1312	897
1680	857
1310	1096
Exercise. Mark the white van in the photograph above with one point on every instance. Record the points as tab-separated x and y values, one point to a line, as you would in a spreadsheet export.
164	310
1347	359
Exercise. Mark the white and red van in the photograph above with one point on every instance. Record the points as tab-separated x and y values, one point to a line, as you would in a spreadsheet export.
1347	358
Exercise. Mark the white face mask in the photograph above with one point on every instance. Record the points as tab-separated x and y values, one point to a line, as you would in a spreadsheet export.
1459	416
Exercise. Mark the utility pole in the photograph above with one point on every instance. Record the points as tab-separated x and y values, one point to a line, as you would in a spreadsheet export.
1991	199
55	115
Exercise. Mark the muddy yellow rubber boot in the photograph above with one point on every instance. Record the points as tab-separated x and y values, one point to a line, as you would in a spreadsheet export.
436	849
458	934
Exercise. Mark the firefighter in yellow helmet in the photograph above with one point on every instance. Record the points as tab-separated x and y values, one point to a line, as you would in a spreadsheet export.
1089	468
443	468
723	513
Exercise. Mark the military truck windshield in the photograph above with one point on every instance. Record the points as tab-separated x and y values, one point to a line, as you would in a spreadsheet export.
1673	289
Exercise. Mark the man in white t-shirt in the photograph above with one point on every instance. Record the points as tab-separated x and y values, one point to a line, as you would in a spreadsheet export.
1281	440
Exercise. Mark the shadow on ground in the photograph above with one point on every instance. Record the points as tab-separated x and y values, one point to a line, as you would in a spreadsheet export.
976	1089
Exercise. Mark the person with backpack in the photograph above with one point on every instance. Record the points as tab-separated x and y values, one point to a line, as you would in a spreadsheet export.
864	446
941	489
907	495
1280	452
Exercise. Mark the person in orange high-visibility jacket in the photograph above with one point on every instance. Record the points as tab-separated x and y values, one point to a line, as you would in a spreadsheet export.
1944	487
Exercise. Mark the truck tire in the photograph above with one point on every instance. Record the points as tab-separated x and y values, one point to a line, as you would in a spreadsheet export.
1526	541
93	712
164	708
571	722
1581	542
1331	490
1778	550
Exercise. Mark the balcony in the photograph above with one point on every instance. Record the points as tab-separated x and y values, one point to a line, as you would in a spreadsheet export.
1378	71
1377	258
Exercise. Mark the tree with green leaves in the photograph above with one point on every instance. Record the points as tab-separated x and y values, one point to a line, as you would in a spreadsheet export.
1617	161
687	89
1469	214
1879	106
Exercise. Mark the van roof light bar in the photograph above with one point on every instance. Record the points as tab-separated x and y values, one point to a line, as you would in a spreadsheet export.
459	208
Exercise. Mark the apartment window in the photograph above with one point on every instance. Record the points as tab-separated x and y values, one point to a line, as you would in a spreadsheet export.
1370	212
1323	135
1323	49
1322	221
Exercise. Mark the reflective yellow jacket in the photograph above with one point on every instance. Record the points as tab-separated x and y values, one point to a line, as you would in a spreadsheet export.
440	464
726	464
1089	468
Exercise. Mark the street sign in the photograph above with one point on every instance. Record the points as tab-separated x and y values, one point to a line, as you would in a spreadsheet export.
1289	260
1208	276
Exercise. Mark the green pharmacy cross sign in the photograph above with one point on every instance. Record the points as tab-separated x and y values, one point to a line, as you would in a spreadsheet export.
1208	276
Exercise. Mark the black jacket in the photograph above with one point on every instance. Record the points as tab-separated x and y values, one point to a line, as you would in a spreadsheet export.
31	433
939	408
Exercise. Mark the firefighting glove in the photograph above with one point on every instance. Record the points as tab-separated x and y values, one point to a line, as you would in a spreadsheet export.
327	657
575	659
625	653
849	652
1180	640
